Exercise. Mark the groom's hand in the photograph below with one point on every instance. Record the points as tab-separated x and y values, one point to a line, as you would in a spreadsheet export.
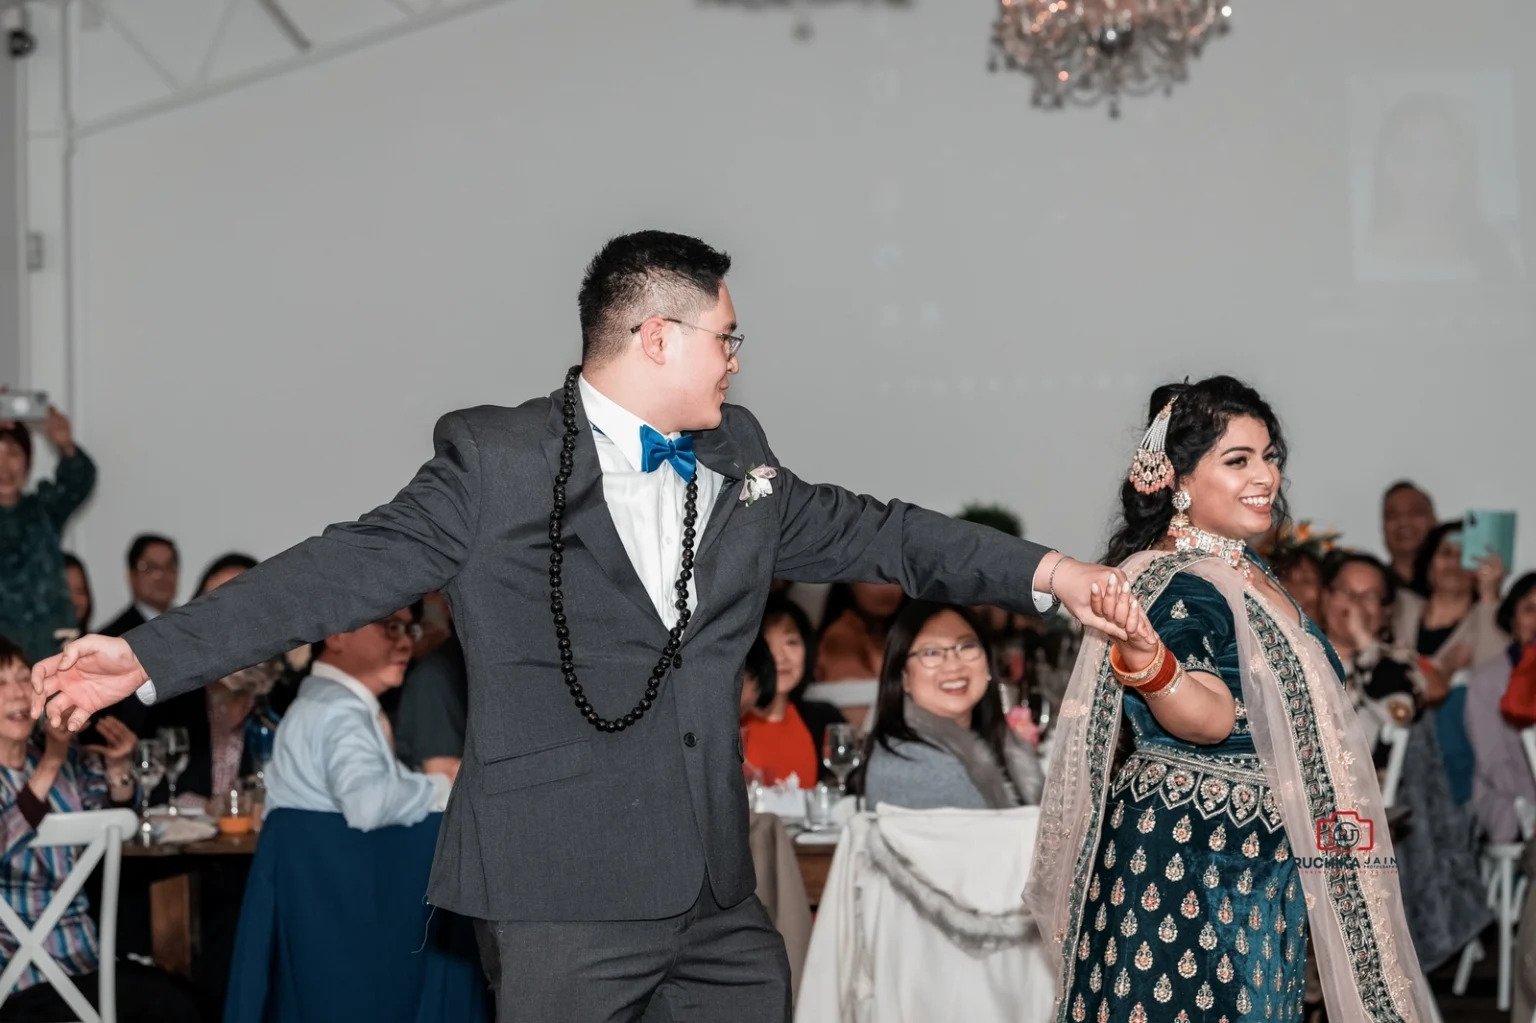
92	673
1072	582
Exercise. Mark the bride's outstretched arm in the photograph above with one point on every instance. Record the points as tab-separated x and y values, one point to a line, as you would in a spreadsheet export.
1195	706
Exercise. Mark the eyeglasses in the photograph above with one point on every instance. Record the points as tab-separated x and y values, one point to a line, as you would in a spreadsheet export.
153	568
966	651
732	342
394	628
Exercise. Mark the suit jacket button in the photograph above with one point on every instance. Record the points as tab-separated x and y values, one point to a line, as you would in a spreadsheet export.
689	739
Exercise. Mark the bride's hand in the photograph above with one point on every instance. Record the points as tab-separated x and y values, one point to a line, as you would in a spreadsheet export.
1113	601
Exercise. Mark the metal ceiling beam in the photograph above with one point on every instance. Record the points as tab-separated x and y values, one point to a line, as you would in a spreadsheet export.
206	88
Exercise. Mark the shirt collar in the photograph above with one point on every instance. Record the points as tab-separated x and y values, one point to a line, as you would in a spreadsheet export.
146	612
615	422
324	669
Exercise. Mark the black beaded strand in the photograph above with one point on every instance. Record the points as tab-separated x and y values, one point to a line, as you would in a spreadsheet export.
669	657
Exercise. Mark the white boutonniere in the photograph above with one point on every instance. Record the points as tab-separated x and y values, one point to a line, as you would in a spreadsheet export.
759	483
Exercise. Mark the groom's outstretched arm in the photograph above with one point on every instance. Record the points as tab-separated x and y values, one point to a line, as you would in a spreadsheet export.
829	534
352	574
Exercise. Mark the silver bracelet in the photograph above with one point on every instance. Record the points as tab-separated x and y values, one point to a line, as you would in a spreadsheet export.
1050	582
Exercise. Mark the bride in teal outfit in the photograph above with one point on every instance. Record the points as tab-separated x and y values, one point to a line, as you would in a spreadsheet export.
1183	862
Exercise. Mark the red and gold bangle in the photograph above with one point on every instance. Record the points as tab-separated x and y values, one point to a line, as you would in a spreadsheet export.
1136	679
1165	690
1167	675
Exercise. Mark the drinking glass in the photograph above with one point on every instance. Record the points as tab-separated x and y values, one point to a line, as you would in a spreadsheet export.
177	747
819	802
840	753
149	767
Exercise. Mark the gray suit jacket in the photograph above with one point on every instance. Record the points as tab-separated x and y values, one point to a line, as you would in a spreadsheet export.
551	819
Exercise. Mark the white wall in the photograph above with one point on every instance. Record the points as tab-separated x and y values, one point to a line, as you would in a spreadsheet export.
947	294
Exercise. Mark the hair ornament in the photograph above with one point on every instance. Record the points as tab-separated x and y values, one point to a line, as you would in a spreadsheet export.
1151	469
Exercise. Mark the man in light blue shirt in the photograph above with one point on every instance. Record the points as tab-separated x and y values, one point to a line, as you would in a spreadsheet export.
334	750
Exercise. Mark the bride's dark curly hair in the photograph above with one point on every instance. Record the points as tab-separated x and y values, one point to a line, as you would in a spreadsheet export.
1200	417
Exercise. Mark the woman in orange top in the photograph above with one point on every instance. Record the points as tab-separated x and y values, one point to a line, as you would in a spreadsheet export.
853	636
774	739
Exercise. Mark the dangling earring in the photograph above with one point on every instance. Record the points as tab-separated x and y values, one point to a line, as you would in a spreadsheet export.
1181	503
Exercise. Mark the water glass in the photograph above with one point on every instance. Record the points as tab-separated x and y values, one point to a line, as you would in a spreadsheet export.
149	768
841	753
177	749
819	803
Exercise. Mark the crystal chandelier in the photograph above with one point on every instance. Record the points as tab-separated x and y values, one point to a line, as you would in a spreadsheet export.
1086	51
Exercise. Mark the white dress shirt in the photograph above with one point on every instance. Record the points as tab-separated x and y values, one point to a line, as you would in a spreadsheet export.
646	507
331	754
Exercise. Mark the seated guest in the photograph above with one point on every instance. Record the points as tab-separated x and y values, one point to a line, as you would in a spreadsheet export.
79	591
434	704
1407	516
219	716
853	632
35	609
44	772
774	739
940	738
1503	772
1358	592
335	749
787	631
154	575
1448	617
1301	573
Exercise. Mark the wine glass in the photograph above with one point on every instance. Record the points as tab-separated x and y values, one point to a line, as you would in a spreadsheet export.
149	768
177	747
840	753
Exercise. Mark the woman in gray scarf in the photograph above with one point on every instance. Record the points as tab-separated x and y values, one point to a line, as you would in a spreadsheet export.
940	738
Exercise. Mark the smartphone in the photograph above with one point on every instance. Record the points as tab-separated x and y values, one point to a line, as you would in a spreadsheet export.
1487	532
24	406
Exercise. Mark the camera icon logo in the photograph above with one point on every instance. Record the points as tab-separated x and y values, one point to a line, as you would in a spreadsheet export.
1345	831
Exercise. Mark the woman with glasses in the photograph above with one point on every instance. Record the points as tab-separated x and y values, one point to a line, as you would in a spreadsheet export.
940	738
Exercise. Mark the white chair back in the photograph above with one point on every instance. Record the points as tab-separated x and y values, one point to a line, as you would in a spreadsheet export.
1396	738
102	832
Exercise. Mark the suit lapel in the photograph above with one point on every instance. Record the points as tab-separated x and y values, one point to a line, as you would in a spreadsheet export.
716	450
586	510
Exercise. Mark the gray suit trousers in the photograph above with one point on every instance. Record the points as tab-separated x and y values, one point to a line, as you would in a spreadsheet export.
708	965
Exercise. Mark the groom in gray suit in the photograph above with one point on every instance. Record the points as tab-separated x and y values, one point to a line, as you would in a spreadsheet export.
607	552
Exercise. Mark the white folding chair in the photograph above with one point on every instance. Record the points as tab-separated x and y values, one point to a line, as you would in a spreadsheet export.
102	832
1396	738
1506	893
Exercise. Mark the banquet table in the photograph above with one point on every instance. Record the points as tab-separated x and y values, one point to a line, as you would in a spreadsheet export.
173	900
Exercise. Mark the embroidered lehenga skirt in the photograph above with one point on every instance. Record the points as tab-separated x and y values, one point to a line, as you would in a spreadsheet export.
1194	910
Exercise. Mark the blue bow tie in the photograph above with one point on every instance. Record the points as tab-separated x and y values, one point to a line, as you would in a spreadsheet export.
656	450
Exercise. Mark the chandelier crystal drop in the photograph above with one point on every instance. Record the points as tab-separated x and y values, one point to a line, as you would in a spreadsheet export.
1083	52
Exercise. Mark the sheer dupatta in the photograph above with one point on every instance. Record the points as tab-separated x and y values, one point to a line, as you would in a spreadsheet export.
1318	768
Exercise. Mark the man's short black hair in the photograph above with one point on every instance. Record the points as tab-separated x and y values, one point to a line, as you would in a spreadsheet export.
645	274
143	542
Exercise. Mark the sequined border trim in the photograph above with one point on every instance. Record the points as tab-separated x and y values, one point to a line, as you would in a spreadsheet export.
1349	902
1230	787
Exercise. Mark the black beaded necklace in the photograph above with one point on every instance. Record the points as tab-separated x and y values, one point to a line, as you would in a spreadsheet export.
669	658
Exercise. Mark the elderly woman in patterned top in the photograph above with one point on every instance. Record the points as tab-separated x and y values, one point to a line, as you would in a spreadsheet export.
1183	863
43	771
